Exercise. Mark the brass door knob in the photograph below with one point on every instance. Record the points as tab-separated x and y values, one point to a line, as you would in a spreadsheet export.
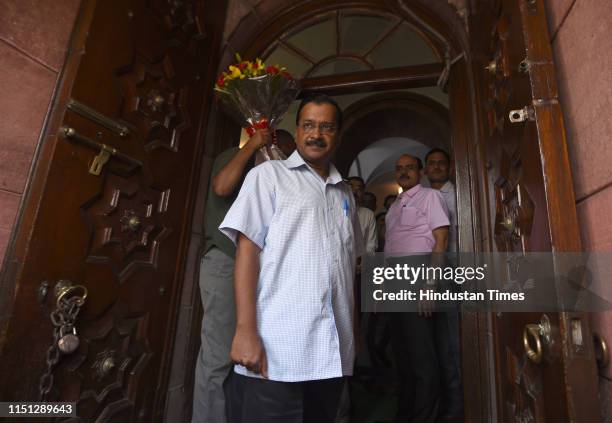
541	335
65	289
533	331
603	358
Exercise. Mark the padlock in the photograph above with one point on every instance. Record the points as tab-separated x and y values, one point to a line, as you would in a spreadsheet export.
68	342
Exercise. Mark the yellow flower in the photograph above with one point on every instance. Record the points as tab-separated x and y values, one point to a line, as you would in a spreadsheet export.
235	72
260	65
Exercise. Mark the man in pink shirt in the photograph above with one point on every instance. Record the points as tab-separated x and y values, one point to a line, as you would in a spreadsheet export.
416	226
417	222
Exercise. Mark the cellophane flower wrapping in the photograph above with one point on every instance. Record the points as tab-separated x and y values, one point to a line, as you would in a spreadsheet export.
257	96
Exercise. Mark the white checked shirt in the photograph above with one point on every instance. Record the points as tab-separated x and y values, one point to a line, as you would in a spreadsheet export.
309	234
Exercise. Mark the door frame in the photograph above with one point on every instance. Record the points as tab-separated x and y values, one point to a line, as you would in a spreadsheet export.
251	38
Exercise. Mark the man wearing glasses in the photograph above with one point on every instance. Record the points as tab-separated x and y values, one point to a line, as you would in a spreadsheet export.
297	235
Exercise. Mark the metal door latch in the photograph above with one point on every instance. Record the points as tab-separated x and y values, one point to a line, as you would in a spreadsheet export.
100	160
521	115
105	151
91	114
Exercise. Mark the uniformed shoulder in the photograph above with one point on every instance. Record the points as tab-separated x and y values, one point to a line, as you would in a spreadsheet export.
227	155
223	159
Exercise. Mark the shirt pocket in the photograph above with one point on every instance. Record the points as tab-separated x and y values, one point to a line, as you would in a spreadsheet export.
342	224
411	217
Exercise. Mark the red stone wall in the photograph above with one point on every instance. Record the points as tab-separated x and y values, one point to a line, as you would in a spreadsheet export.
580	34
34	36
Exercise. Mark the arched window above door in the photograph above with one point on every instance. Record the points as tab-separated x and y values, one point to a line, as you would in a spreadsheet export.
350	40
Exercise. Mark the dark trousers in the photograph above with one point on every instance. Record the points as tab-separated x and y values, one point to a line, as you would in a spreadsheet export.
251	400
377	339
414	347
448	346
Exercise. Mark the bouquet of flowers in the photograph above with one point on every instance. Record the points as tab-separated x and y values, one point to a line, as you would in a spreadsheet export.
257	96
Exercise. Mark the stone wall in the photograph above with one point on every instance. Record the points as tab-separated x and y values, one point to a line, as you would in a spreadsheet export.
34	36
579	32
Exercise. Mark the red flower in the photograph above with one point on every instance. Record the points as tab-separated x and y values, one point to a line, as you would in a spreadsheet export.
221	81
272	69
242	65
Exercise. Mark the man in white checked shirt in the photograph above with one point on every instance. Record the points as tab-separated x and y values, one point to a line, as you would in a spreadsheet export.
297	234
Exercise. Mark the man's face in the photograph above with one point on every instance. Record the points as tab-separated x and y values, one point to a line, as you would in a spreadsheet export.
369	200
357	188
437	168
407	172
316	134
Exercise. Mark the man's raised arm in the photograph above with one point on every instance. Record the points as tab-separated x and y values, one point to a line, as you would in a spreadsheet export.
225	182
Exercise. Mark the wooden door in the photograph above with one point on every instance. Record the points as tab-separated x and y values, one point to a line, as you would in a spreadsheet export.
138	80
526	188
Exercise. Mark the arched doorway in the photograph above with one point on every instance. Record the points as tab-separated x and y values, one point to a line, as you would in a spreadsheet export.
281	33
396	114
504	119
381	127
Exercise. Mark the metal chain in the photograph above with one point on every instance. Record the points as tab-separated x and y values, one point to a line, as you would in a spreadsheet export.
63	317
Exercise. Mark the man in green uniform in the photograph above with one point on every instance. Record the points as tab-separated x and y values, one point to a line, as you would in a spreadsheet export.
217	276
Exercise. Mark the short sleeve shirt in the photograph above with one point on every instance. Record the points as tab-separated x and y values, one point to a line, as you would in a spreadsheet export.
411	220
309	236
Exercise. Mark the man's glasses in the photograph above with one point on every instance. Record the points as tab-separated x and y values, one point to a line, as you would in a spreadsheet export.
325	128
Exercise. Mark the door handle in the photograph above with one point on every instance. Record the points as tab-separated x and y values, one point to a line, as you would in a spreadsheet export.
69	300
64	288
603	358
540	333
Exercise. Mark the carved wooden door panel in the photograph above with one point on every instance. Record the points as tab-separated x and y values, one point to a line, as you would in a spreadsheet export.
532	208
116	190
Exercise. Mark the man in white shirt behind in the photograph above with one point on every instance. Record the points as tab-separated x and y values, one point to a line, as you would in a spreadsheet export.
367	220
